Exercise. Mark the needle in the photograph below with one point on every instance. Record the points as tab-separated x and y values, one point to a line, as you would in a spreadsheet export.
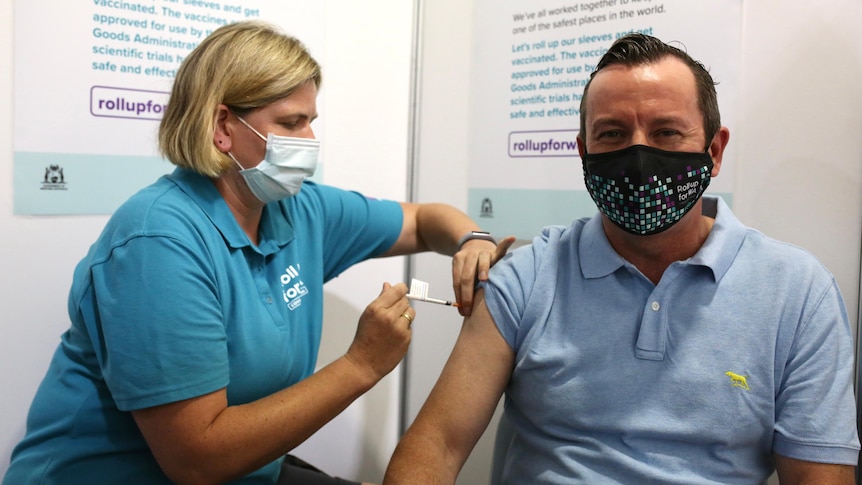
419	291
433	300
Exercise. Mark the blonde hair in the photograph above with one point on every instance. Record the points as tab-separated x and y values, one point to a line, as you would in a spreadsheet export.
245	65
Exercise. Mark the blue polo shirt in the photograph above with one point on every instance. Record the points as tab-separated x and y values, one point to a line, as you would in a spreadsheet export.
741	351
172	302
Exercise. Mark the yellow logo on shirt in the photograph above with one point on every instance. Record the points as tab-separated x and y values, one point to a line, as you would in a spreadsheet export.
737	380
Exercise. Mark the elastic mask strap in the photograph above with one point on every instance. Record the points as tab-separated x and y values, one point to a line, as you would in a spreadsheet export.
250	127
235	160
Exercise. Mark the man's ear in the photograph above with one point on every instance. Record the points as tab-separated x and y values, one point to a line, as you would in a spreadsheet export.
716	149
222	132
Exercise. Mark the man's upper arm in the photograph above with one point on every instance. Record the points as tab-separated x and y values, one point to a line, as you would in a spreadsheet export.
475	376
798	472
459	407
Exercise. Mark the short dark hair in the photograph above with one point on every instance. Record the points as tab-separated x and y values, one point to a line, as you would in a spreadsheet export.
638	49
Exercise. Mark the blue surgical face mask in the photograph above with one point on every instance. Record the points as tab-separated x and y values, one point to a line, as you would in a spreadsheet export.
287	163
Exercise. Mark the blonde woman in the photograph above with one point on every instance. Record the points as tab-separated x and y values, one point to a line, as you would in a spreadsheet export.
196	316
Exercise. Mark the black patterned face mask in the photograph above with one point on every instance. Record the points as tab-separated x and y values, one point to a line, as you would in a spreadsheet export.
645	190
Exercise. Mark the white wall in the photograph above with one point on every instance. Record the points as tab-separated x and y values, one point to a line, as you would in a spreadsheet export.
442	148
798	136
367	96
367	84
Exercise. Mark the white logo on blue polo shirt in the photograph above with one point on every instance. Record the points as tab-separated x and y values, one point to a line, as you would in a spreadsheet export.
292	287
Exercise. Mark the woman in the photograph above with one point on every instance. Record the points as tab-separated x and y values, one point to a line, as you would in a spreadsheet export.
196	315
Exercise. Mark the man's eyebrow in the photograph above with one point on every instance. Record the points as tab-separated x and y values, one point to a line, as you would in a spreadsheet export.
607	122
669	119
611	121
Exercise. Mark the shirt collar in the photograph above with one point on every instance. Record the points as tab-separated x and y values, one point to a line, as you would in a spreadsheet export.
724	240
276	229
598	258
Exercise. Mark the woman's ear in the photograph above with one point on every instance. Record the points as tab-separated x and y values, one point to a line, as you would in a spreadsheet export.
222	132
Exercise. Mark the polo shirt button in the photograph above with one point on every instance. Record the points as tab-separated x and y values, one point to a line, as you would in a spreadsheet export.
269	299
655	306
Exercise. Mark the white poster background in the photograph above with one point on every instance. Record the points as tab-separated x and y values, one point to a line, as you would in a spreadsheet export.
529	65
91	79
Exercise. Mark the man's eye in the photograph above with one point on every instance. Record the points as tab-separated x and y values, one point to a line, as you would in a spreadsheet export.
608	134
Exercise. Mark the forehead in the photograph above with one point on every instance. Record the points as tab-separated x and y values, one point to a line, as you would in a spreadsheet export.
302	101
667	85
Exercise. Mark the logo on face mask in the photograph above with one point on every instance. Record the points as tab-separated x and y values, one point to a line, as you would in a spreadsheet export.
645	190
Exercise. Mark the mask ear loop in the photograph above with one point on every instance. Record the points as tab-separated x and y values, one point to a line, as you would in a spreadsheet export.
241	168
250	127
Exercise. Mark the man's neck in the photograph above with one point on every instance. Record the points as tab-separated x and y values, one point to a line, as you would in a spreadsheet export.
653	254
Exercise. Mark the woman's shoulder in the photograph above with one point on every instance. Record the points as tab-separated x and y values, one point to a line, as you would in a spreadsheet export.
159	209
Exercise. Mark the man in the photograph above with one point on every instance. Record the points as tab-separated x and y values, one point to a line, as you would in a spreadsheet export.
660	341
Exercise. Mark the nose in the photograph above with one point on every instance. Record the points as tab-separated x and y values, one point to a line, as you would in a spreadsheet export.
306	132
639	138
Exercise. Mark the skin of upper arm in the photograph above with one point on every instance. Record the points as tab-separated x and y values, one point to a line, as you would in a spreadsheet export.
430	226
798	472
476	374
463	400
408	241
173	431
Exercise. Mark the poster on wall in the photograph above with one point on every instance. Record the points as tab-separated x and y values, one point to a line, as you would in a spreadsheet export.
91	80
531	61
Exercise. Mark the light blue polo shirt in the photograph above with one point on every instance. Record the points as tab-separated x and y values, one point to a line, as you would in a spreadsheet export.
743	350
173	302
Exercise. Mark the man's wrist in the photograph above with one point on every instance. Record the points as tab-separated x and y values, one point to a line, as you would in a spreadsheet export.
485	236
